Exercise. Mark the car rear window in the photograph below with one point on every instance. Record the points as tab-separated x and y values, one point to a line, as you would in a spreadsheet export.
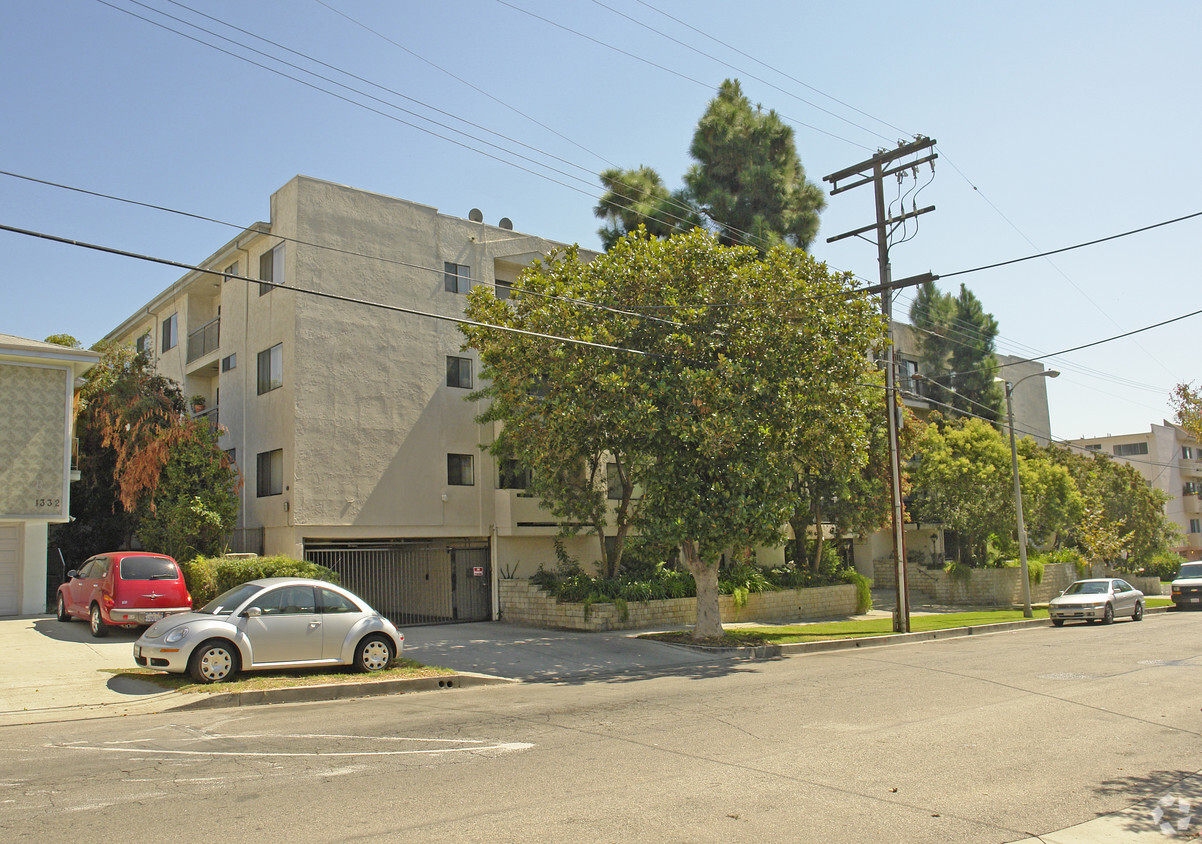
148	568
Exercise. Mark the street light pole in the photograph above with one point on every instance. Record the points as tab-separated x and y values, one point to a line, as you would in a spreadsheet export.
1018	492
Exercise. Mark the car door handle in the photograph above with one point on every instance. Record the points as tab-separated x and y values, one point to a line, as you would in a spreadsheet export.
314	624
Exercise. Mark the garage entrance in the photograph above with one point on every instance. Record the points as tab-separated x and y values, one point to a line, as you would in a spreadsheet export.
413	581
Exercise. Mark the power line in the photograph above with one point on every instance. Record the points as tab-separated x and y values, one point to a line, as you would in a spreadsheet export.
318	293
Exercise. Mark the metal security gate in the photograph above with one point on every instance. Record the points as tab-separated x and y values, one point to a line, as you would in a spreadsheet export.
413	582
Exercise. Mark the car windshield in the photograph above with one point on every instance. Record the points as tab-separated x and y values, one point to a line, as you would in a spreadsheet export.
226	602
148	568
1088	587
1190	570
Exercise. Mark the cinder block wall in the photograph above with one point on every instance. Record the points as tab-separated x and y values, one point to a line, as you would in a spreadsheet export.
1002	587
523	603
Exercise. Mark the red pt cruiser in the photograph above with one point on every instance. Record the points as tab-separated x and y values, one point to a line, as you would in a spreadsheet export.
123	588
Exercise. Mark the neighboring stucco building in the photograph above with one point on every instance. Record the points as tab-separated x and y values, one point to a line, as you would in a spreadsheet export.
344	406
1031	419
1171	460
37	389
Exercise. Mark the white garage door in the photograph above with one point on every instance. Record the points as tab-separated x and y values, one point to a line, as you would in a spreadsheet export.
10	596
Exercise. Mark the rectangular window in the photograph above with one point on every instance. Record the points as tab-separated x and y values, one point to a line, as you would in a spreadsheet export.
1187	453
229	362
906	370
271	368
1128	449
459	470
232	269
1195	525
271	268
170	332
1191	488
1093	446
269	473
232	454
513	475
457	278
613	482
144	344
459	372
503	289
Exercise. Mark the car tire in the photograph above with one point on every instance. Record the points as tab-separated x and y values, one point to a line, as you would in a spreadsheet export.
1138	615
63	615
214	661
1108	614
96	622
1057	622
374	653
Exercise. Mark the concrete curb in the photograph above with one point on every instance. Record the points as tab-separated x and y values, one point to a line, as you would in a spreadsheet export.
340	691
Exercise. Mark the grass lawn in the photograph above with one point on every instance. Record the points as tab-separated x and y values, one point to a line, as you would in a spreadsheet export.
789	634
253	681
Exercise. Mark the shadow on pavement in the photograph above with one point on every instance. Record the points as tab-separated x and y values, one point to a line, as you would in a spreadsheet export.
78	631
133	687
1161	789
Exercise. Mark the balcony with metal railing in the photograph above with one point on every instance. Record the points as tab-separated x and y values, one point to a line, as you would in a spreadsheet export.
204	340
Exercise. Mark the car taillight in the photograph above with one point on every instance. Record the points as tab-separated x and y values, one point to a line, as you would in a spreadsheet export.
108	599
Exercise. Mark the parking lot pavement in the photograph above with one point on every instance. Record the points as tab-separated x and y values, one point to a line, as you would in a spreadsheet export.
51	670
538	655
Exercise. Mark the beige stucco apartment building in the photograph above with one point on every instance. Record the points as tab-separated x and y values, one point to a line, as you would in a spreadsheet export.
340	390
37	388
1171	460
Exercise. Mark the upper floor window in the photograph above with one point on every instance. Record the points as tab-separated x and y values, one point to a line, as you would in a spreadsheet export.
170	332
271	368
144	344
459	372
271	268
1187	453
906	370
459	470
231	270
513	475
1195	525
503	289
269	473
1127	449
1093	446
229	362
457	278
1191	488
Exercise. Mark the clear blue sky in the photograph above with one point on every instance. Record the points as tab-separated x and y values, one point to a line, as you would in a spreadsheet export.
1057	122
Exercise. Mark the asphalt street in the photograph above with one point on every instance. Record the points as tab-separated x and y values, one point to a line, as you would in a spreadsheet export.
990	738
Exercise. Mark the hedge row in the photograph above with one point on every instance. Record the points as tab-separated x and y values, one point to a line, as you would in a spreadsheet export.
208	577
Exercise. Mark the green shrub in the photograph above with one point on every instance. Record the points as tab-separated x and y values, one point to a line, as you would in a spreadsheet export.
1163	565
863	590
208	577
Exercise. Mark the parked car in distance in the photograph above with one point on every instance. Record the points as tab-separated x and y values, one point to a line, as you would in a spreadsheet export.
125	589
1187	586
276	622
1097	599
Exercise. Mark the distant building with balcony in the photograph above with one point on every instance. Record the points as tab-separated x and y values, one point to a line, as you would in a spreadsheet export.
339	385
1171	461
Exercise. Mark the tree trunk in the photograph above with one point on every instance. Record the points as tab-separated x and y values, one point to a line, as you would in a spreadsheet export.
816	566
705	575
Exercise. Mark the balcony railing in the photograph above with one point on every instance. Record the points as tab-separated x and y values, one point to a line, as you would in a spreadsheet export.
204	339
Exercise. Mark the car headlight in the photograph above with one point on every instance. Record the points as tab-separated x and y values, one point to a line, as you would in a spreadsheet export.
175	635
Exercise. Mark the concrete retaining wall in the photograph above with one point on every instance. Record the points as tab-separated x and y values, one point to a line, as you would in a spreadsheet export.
1000	587
523	603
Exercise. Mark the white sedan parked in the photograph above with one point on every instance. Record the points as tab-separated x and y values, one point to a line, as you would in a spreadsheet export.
276	622
1097	599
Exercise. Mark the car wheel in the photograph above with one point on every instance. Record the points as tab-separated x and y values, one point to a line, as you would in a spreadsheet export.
1108	614
1139	611
373	654
1057	622
213	662
63	615
96	623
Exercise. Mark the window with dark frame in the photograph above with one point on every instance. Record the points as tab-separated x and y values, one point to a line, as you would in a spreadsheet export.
170	332
1128	449
459	372
457	278
144	344
503	289
271	368
511	474
269	473
229	362
271	269
459	470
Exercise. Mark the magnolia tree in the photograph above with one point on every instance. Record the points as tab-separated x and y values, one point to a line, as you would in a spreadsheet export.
1188	402
725	375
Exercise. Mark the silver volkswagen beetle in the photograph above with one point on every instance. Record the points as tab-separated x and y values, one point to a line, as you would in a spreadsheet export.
1097	599
276	622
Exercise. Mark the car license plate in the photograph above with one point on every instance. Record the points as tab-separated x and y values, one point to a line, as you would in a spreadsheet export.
152	616
1194	600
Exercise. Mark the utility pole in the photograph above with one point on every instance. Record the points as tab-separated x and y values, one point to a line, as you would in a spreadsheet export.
873	171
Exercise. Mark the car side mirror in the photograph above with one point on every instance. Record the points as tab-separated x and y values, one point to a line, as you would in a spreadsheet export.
253	612
71	575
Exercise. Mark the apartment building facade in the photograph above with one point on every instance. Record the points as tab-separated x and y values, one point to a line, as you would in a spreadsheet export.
38	382
1171	461
324	347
